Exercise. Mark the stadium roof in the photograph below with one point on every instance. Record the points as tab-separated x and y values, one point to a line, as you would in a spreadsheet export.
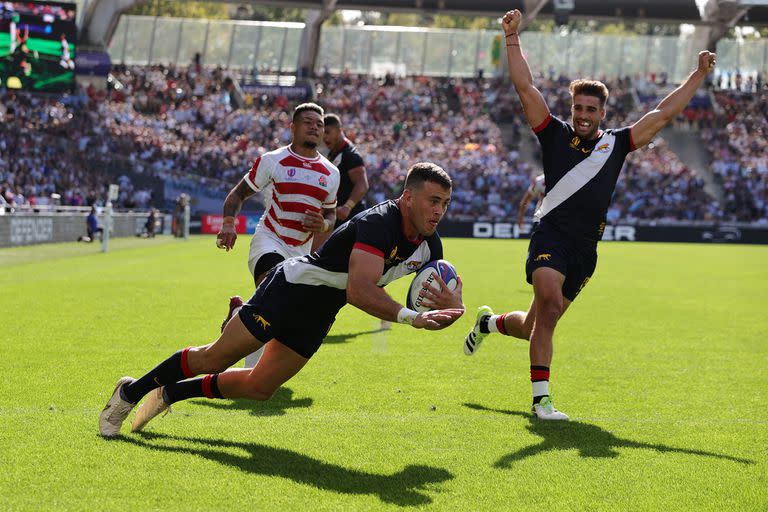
680	11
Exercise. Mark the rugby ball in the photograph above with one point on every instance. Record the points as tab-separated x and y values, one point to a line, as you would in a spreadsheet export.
425	276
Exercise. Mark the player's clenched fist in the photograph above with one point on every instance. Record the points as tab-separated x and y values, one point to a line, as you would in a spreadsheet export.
707	61
227	236
511	21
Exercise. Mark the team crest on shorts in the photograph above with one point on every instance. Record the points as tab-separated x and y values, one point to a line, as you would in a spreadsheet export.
261	321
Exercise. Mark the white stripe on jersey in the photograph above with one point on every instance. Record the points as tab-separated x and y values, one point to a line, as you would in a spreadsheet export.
299	271
579	176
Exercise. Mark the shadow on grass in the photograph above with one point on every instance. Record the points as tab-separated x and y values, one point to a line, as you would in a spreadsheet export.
344	338
590	440
275	406
404	488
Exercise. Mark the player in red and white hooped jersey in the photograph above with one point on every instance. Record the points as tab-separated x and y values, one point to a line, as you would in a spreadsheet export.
299	186
292	185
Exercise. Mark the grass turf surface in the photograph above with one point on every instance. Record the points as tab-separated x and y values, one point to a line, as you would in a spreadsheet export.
660	363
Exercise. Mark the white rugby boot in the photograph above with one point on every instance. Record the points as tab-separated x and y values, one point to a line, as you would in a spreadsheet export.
114	413
545	410
152	406
475	337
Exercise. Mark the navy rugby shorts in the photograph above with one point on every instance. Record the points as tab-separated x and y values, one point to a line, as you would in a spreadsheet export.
297	315
550	248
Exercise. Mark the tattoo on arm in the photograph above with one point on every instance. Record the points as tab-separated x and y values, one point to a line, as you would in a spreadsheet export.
235	199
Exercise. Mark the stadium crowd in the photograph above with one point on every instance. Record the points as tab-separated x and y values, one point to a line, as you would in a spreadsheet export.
56	153
739	147
179	124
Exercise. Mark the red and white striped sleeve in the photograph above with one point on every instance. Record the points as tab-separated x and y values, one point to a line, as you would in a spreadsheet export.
260	173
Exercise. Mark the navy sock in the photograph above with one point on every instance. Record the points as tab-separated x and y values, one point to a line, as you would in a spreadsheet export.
171	370
207	386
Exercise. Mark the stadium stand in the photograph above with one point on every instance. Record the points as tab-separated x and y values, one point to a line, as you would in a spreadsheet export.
178	124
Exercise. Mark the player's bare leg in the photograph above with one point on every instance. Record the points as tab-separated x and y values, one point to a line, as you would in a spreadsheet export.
519	324
549	306
277	364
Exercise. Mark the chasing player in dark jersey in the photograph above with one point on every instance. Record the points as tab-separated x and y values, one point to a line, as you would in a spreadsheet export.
294	307
354	181
581	165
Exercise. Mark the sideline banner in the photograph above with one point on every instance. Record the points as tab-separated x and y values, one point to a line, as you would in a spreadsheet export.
211	224
729	233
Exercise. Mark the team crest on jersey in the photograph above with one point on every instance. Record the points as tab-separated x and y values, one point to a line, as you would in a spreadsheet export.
322	181
575	145
603	148
291	172
413	266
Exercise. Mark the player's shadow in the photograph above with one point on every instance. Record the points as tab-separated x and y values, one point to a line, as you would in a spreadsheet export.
281	401
346	337
407	487
589	440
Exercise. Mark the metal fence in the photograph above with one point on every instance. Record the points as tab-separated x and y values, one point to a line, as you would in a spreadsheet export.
274	47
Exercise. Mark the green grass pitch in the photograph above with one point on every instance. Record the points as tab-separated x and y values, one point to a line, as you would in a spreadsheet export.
661	364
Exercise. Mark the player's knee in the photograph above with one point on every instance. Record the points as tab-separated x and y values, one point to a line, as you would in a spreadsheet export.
549	310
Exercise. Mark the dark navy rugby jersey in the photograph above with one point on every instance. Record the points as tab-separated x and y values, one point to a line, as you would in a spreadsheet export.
580	177
345	160
377	230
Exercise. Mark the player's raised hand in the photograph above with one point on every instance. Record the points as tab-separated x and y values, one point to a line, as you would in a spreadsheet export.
441	297
437	319
707	61
226	237
510	23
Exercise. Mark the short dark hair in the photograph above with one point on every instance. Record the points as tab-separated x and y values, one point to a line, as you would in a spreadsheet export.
590	88
307	107
427	171
332	120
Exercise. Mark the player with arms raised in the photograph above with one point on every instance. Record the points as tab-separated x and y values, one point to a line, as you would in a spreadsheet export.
581	166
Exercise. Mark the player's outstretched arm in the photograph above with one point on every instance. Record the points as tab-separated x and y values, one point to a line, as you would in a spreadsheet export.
232	204
651	123
365	270
536	110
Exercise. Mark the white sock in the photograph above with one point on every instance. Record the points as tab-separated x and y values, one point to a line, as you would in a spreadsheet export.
492	325
540	388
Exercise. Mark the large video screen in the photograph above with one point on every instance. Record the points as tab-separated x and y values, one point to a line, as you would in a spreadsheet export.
37	46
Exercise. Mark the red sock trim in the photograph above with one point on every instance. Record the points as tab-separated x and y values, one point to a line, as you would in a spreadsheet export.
539	375
500	324
207	386
185	364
